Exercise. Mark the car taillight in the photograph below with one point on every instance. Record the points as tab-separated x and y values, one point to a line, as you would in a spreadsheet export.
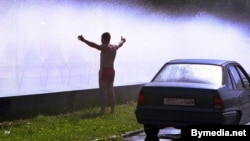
140	100
218	103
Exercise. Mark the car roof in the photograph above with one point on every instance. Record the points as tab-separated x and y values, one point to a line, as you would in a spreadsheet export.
201	61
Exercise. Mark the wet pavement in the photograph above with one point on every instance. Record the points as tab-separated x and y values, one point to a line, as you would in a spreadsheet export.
166	134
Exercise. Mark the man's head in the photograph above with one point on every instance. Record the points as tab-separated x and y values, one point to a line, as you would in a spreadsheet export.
106	38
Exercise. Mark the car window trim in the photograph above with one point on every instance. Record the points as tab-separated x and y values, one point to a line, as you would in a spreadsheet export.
231	77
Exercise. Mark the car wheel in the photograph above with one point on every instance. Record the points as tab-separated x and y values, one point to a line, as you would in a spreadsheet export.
151	131
184	133
238	117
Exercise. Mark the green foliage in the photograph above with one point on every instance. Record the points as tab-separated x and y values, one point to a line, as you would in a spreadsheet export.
83	125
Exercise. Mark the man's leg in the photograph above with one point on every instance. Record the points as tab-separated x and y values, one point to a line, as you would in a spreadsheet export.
111	95
103	96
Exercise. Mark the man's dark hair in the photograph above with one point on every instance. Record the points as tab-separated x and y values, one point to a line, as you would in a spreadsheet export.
106	36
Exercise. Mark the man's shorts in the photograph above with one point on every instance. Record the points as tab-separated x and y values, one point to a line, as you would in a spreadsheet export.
107	74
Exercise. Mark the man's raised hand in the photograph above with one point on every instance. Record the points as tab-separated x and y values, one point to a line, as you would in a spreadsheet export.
123	39
80	37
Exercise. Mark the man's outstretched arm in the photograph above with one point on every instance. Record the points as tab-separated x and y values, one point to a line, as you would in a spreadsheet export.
89	43
123	40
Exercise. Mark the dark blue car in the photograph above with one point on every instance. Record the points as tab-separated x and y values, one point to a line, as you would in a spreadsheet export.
195	92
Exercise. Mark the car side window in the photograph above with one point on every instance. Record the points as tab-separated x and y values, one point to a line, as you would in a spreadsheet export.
236	77
243	76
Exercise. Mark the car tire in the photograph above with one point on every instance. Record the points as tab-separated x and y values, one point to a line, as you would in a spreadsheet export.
184	133
151	132
238	118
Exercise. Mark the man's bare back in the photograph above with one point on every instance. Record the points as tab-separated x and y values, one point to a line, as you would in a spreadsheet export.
107	56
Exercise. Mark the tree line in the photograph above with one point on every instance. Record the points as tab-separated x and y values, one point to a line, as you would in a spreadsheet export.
237	10
236	6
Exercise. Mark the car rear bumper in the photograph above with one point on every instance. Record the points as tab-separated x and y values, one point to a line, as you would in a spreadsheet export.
183	118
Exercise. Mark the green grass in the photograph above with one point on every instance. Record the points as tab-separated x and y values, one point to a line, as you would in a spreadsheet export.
83	125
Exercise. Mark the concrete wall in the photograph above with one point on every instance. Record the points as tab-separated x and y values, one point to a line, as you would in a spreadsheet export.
28	106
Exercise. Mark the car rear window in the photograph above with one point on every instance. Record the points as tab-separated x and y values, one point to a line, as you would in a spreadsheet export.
191	73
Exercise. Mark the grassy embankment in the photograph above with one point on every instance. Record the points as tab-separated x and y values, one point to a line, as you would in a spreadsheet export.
83	125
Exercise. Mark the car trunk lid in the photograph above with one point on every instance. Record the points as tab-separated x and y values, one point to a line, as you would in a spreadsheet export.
188	96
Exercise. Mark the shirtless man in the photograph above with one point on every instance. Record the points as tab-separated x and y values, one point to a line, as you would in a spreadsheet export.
106	72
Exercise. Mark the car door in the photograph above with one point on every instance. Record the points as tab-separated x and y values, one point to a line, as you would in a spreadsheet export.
240	87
